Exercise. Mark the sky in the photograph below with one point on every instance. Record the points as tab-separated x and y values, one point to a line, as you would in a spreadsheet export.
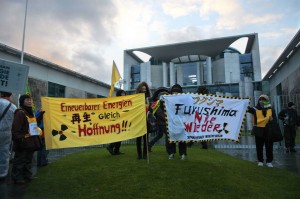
87	35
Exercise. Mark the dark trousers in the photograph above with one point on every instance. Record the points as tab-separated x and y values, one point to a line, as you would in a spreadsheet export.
42	159
142	153
171	147
161	131
289	136
115	146
21	168
260	142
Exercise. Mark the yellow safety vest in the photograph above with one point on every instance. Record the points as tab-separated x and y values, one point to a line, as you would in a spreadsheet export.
261	120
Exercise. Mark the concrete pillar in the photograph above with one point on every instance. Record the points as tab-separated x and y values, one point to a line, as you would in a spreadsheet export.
209	70
149	74
256	96
242	89
256	59
249	93
249	89
165	74
201	73
179	72
126	77
172	74
198	74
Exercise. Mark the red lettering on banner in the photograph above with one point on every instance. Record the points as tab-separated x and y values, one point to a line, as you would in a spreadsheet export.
207	125
98	130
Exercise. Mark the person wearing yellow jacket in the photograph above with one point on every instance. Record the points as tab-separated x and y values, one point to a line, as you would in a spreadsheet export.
263	113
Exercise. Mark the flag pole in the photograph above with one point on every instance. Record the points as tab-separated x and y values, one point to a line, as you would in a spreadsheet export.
22	53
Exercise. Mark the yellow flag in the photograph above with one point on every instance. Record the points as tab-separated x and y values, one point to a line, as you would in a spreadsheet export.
28	92
115	76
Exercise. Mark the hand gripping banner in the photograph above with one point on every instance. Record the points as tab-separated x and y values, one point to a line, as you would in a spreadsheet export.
201	117
74	122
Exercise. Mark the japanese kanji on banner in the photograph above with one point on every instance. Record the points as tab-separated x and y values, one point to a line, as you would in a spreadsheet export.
200	117
70	122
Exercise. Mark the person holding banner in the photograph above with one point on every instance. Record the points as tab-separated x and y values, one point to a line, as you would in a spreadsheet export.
142	154
22	128
158	110
171	147
7	109
114	148
262	113
201	90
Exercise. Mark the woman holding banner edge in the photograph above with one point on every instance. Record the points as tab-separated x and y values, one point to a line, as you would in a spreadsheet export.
171	146
262	114
142	154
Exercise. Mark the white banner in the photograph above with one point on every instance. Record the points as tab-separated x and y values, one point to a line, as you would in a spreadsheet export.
200	117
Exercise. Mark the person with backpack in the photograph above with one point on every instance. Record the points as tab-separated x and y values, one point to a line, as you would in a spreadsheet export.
157	109
7	109
289	117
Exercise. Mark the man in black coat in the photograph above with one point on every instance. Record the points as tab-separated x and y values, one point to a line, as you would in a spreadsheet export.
289	117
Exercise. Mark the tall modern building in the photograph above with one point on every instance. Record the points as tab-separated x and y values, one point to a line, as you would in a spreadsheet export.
213	62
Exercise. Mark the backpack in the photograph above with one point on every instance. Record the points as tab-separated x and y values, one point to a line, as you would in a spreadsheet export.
289	119
151	123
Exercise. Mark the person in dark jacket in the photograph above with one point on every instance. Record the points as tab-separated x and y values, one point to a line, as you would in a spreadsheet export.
158	110
22	162
171	147
114	148
262	113
142	154
289	117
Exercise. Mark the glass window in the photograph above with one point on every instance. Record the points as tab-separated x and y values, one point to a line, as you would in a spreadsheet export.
246	58
189	71
135	78
135	69
56	90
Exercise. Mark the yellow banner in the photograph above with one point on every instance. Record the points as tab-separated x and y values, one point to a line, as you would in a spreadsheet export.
70	122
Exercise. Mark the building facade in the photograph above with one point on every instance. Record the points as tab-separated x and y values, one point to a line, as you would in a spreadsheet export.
223	69
48	79
284	76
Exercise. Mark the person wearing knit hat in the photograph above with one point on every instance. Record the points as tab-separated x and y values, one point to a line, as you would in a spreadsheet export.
23	127
171	147
262	114
176	88
7	110
289	117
